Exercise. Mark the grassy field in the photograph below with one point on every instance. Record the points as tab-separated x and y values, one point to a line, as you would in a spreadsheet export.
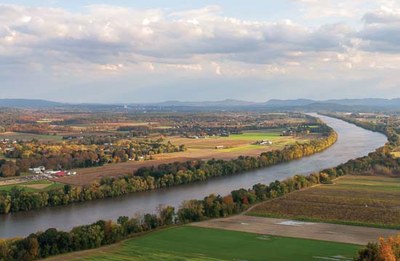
34	186
29	136
358	200
240	142
256	135
192	243
396	154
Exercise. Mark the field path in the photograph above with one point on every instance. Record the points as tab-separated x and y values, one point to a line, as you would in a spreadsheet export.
289	228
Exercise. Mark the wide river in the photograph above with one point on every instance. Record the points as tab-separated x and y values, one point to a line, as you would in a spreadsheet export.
353	142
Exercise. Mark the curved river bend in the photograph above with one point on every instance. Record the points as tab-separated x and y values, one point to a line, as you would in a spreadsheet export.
353	142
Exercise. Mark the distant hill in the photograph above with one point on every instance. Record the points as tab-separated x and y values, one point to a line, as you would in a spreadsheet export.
273	104
289	103
223	103
366	103
28	103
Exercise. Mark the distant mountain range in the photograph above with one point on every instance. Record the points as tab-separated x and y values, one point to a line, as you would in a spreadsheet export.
374	102
224	103
297	104
28	103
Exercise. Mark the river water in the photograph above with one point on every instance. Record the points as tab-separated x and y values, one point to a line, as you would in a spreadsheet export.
353	142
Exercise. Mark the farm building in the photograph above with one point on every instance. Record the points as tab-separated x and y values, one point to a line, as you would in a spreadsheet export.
263	142
38	170
60	174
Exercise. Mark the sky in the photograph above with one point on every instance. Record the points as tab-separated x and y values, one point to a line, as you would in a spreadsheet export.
153	50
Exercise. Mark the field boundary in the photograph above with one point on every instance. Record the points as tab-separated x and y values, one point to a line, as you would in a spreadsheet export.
297	229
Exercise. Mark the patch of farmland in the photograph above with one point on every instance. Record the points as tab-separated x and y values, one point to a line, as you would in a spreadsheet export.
194	243
33	186
362	200
29	136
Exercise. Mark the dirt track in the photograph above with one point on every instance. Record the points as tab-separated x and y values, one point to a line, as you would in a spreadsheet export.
289	228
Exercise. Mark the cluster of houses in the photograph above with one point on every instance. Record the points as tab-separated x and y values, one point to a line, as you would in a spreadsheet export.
288	132
8	141
7	145
41	170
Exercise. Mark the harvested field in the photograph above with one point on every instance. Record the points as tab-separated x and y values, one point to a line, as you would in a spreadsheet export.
289	228
363	200
396	154
88	175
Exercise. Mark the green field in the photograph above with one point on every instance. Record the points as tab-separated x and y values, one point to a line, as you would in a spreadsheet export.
355	200
256	135
34	186
193	243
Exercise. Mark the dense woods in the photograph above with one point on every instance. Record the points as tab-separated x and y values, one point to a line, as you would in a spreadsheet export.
165	175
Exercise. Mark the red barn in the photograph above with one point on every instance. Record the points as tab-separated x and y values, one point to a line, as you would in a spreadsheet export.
60	174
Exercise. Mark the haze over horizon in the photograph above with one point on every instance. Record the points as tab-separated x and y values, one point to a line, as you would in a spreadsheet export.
154	51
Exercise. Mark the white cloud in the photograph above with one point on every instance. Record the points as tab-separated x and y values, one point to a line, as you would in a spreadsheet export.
106	40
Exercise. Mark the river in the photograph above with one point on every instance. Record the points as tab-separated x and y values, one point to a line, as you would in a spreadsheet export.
353	142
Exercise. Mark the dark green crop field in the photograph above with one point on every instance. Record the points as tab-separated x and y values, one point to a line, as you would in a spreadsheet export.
192	243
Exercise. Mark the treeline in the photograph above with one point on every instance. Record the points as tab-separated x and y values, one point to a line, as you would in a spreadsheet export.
391	132
164	175
386	250
379	162
70	156
73	159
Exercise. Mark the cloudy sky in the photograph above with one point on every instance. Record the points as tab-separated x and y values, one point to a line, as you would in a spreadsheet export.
153	50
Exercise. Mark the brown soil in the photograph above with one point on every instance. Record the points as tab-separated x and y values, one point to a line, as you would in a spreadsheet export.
288	228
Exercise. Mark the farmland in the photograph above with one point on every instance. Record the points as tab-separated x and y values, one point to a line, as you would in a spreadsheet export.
183	243
396	154
33	186
360	200
233	146
29	136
